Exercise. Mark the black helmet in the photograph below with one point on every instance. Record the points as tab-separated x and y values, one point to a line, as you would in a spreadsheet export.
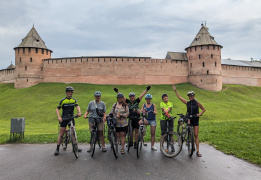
192	93
163	95
69	88
131	94
120	95
97	93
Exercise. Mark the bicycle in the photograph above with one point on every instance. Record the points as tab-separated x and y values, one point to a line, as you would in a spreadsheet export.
95	137
111	123
170	142
186	131
70	136
142	132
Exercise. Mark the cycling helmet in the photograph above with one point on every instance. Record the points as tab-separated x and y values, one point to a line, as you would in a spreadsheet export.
69	88
192	93
148	96
131	94
120	95
163	95
97	93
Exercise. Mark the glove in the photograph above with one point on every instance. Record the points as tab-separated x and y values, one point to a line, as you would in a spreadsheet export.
167	114
116	89
148	88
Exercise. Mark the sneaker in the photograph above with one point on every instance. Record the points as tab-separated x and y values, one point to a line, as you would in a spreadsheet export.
104	149
89	150
79	150
56	152
153	148
135	145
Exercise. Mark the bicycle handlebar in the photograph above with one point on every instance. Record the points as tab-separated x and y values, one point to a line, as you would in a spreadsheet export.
68	118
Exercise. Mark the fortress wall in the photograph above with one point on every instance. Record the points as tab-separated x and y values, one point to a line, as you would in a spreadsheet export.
115	70
241	75
7	76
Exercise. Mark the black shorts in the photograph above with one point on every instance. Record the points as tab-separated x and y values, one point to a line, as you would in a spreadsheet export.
194	121
65	123
135	123
163	126
122	129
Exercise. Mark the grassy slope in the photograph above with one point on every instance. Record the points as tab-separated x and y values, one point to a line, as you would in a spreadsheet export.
231	122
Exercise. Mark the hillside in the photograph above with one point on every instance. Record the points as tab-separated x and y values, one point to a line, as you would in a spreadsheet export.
231	122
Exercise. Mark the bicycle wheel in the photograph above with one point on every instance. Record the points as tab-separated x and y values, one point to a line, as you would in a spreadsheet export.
65	140
93	142
168	147
139	143
75	144
180	131
129	137
114	144
190	141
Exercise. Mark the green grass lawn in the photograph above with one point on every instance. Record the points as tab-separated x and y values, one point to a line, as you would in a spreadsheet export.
231	123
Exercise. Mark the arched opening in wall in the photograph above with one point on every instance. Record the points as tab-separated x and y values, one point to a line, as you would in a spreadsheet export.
215	64
213	47
36	50
200	80
31	59
20	60
195	48
203	64
42	51
208	47
191	65
25	68
81	60
201	47
199	56
27	80
211	56
23	50
207	72
29	50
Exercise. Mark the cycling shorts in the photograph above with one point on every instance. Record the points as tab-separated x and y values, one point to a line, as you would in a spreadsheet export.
194	121
66	122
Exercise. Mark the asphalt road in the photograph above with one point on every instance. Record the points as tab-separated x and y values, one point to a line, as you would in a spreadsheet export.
36	161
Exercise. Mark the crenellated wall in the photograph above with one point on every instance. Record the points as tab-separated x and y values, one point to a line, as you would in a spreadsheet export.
250	76
7	76
102	70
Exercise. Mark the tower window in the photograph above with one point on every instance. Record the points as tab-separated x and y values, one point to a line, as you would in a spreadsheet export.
36	50
25	68
18	50
208	47
29	50
211	56
47	52
195	48
213	47
201	47
207	71
199	56
191	65
215	64
42	51
20	59
23	50
31	59
203	64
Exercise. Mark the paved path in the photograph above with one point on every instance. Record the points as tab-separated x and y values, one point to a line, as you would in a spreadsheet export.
36	161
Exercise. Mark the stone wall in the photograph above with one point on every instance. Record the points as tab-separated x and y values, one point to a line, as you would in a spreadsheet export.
115	70
250	76
7	76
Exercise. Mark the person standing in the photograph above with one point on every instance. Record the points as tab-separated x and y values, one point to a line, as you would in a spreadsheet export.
67	104
99	117
192	109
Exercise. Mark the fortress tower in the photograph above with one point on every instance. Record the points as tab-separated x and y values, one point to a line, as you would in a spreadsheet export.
204	61
29	57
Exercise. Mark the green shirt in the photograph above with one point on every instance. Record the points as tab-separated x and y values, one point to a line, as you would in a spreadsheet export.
166	106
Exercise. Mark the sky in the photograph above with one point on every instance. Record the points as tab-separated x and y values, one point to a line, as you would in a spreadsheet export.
143	28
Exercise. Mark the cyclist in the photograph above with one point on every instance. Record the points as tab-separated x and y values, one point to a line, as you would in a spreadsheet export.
150	108
134	115
97	112
120	110
67	104
166	113
192	109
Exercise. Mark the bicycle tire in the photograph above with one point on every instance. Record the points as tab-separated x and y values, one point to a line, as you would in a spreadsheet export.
165	145
93	142
190	142
180	131
129	137
65	141
139	143
75	145
114	144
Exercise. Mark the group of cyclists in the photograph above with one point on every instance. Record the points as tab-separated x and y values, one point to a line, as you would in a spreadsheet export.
128	108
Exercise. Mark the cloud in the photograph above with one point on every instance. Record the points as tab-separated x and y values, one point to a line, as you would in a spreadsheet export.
135	28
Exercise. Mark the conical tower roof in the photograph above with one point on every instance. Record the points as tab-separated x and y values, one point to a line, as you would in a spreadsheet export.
32	39
203	38
11	66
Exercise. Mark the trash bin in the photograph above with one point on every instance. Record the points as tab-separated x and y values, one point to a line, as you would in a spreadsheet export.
17	127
